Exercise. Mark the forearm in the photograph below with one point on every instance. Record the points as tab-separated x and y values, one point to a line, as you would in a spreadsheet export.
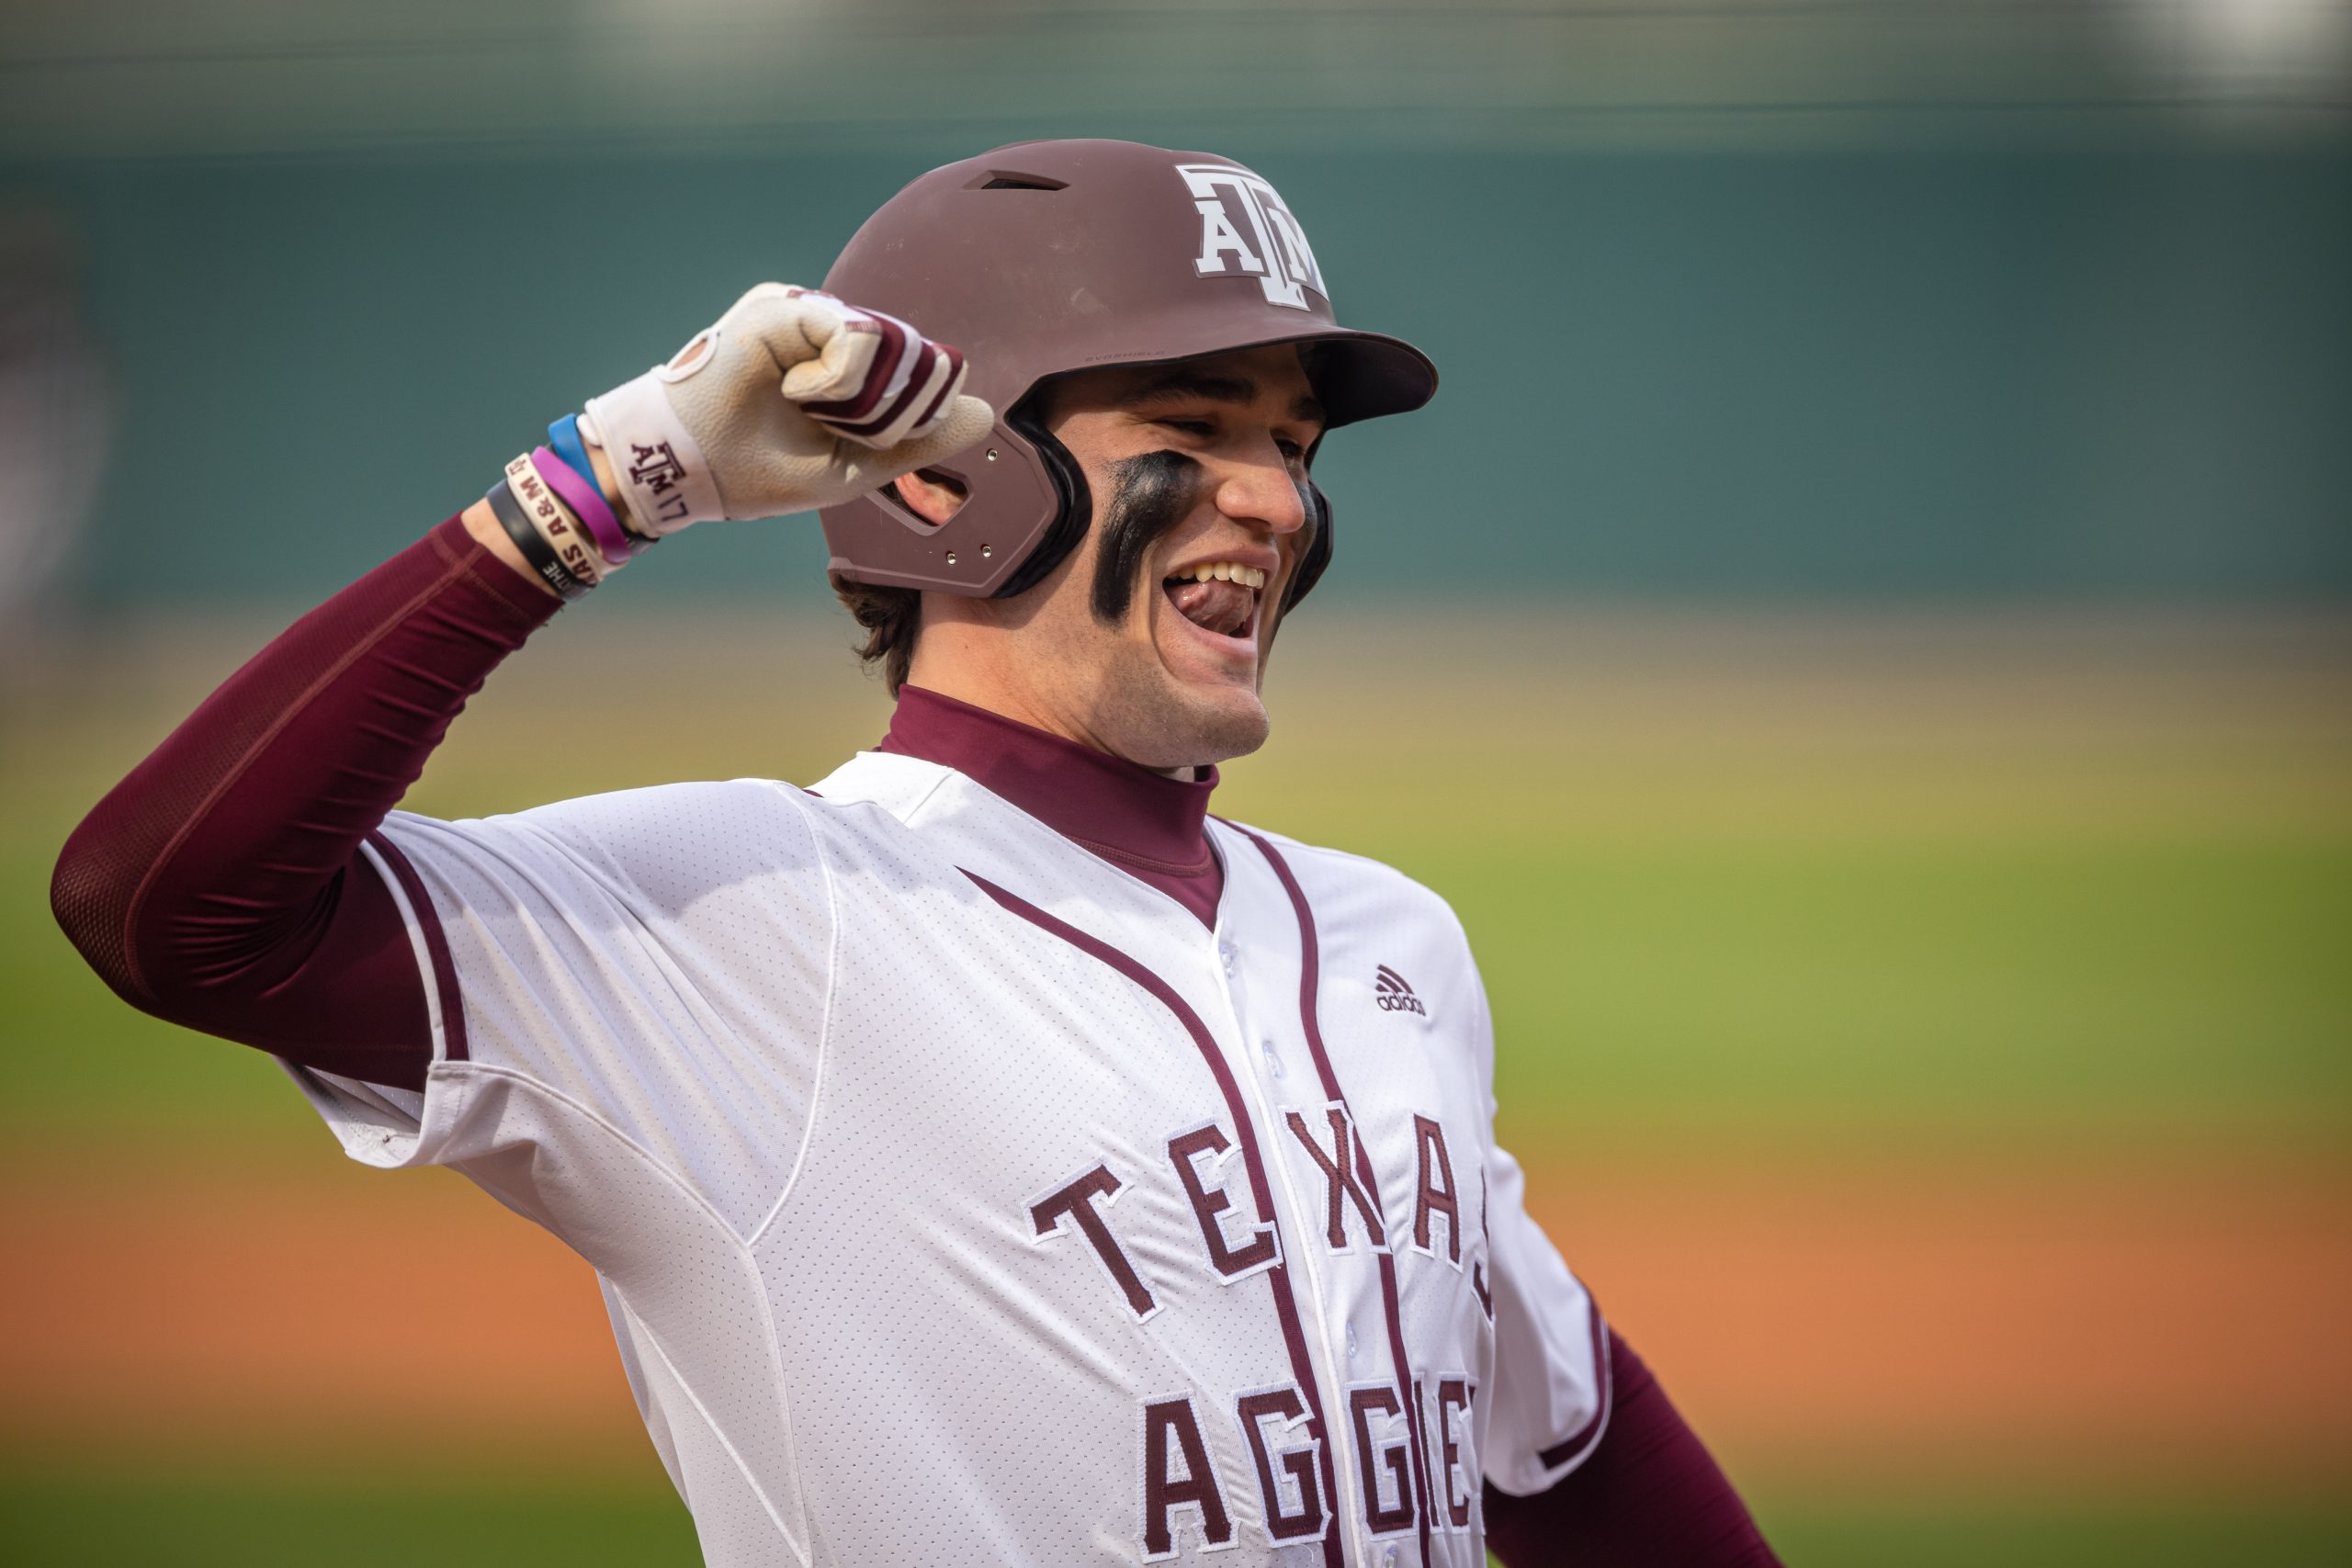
220	886
1650	1494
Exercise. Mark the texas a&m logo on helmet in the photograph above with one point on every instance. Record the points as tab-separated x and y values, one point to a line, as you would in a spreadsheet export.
1247	228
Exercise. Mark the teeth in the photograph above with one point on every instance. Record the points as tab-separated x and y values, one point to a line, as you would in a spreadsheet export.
1226	571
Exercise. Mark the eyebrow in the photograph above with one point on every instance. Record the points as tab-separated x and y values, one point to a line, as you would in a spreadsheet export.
1180	383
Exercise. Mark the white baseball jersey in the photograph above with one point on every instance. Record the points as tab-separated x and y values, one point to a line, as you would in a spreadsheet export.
960	1197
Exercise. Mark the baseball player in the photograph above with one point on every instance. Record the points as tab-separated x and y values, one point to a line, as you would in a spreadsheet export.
988	1156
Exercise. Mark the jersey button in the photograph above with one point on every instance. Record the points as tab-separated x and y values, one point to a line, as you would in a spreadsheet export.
1352	1340
1226	954
1387	1557
1274	1059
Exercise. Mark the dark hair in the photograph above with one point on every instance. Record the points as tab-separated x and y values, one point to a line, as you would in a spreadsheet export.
892	618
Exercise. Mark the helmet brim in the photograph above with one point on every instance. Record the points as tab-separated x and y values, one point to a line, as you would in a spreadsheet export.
1359	376
1356	375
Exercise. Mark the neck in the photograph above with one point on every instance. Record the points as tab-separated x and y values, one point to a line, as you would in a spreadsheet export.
985	654
959	658
1148	823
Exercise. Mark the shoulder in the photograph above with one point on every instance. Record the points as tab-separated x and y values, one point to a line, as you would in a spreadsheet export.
676	837
881	784
1386	946
1350	890
729	817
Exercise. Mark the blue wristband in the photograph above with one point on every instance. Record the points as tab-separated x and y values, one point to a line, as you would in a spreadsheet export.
563	439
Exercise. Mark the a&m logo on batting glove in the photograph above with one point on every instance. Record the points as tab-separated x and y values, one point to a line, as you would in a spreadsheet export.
793	401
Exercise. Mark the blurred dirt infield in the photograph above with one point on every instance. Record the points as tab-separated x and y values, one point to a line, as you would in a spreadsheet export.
1905	1323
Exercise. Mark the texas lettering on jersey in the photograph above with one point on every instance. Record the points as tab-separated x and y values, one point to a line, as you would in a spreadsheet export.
1276	1428
957	1195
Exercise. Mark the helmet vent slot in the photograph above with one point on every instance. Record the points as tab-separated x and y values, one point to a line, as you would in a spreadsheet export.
1006	179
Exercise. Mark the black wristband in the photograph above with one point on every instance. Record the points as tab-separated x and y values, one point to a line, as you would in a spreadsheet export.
536	549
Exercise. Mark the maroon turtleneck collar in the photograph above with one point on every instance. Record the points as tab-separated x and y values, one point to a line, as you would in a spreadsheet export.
1145	823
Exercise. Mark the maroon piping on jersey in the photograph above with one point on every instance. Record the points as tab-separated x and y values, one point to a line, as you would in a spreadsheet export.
1578	1443
221	886
1147	824
1260	1190
1309	966
436	946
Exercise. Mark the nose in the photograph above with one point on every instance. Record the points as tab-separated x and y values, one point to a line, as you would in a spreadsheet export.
1261	491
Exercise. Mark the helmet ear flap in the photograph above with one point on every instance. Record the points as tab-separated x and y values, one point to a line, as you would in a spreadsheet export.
1076	513
1318	549
1074	499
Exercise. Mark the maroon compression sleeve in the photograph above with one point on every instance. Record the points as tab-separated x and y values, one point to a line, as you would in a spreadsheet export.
219	886
1650	1497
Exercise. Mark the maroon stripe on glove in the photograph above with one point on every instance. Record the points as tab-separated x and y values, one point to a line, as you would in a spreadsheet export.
878	376
916	382
946	389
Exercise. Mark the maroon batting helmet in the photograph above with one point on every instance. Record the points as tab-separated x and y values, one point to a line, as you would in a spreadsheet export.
1045	257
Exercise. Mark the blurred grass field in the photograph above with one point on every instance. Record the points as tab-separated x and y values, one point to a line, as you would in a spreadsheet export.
1839	908
250	1526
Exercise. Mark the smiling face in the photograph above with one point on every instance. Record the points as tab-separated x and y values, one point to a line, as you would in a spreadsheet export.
1150	642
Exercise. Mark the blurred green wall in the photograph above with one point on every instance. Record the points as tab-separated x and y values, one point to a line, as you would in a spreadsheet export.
2114	373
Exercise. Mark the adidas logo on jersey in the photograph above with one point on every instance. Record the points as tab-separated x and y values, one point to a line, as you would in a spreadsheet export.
1388	988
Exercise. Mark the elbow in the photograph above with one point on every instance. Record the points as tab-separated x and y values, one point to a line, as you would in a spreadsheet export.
91	894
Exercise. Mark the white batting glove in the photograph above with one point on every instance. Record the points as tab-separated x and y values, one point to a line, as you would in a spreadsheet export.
792	401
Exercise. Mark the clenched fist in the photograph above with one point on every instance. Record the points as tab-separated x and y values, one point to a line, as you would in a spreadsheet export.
793	401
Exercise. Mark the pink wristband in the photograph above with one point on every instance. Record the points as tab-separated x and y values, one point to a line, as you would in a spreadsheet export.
612	539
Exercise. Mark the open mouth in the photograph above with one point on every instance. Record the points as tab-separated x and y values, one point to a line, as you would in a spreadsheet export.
1218	596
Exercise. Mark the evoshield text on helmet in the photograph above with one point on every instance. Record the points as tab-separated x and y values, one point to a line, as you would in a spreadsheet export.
1046	258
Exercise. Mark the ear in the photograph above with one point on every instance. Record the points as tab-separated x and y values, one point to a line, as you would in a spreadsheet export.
932	495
